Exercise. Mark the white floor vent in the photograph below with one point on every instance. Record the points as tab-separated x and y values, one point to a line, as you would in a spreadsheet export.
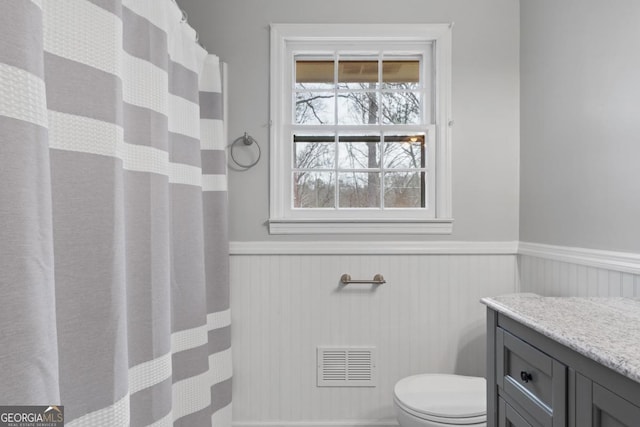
346	367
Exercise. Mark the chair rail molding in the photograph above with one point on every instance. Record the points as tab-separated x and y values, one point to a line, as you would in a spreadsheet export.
626	262
366	247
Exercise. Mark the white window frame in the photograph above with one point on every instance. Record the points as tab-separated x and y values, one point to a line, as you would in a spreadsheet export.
288	40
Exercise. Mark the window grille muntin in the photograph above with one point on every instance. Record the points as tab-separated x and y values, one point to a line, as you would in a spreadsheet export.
332	77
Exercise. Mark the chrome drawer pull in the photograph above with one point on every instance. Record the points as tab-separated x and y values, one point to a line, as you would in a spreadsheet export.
525	376
378	279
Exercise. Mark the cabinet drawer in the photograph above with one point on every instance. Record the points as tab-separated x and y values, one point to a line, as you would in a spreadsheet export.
509	417
531	378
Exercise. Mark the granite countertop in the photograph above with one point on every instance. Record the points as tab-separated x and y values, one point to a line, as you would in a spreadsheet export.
606	330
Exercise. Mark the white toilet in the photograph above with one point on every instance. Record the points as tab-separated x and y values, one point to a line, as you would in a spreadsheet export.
438	400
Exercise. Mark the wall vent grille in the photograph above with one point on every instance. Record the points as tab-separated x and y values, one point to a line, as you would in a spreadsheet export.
346	367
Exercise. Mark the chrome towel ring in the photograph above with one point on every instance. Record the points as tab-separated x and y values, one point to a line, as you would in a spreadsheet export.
246	140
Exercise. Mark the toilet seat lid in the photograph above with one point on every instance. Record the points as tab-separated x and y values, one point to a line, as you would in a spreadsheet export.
443	396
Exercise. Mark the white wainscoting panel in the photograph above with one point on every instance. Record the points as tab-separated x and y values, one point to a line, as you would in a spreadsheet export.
552	277
426	318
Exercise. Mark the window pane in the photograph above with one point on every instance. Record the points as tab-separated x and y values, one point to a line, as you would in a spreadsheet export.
404	190
314	152
358	72
401	108
357	108
314	74
315	108
404	151
314	190
359	151
359	189
401	74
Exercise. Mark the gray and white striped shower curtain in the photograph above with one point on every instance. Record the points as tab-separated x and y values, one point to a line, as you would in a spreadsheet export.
114	297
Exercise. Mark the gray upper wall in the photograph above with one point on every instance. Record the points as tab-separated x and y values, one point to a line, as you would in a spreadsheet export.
580	123
485	100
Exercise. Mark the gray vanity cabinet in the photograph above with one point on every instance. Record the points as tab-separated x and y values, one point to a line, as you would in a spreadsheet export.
534	381
598	407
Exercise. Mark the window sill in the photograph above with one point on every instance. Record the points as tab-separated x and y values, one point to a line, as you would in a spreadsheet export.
360	226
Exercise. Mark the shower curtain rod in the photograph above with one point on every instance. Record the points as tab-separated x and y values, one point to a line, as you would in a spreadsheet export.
185	20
